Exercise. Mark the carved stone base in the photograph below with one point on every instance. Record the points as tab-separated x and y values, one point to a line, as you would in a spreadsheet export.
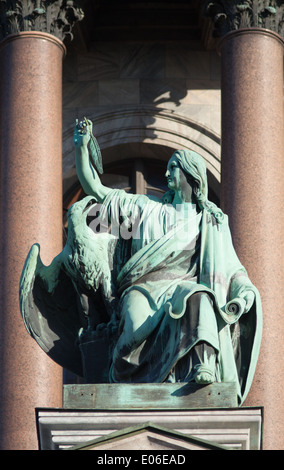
149	417
237	429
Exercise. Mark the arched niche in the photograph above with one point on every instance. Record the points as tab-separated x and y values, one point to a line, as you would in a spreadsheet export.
138	142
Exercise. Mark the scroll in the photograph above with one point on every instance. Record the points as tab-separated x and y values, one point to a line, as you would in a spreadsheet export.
235	307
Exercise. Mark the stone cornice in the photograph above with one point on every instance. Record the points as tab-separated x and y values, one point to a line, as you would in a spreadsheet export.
56	17
231	15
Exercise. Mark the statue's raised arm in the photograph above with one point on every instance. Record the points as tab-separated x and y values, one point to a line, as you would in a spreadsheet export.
88	172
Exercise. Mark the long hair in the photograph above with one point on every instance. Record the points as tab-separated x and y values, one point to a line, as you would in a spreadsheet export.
194	165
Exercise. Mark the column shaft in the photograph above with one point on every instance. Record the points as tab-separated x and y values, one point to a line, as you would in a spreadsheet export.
253	196
31	211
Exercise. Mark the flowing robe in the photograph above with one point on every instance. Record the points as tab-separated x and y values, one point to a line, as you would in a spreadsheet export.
180	261
173	255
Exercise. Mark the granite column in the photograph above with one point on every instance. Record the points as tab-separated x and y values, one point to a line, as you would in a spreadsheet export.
31	211
253	196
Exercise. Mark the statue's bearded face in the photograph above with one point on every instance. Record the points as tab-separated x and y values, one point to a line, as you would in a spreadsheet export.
177	180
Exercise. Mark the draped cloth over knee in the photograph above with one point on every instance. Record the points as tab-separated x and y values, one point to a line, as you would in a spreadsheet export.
170	260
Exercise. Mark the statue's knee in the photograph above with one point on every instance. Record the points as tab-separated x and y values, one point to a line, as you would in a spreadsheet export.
135	298
135	307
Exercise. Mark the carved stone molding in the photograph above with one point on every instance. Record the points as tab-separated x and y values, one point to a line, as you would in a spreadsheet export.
230	15
56	17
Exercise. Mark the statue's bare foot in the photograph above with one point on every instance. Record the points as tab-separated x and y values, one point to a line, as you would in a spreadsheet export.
204	376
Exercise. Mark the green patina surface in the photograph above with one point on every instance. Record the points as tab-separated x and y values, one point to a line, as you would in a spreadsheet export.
157	294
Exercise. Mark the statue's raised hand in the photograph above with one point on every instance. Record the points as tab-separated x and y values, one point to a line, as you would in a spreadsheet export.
82	132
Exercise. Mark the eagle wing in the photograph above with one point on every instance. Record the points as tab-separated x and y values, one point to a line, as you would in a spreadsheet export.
49	307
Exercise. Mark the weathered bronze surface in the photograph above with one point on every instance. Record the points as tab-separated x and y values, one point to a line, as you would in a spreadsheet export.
166	396
146	290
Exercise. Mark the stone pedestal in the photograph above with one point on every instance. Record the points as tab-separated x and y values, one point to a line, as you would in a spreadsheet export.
149	417
31	211
253	195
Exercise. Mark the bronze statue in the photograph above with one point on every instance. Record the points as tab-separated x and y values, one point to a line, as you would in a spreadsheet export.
146	290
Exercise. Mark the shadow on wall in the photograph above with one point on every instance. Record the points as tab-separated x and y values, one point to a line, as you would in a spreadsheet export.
145	101
148	125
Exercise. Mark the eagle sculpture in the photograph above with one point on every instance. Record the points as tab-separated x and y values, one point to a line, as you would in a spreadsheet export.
70	306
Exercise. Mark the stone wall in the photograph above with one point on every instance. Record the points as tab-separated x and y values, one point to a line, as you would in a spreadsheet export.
162	94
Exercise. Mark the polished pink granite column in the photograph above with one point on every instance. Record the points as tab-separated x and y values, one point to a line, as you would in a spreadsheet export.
253	197
31	211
